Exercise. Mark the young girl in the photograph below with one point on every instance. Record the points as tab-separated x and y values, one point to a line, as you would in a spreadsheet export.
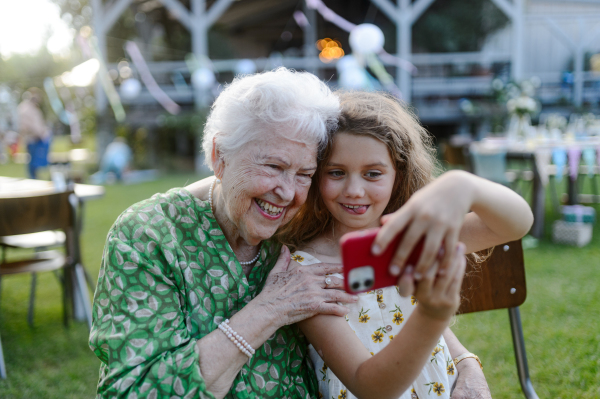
389	346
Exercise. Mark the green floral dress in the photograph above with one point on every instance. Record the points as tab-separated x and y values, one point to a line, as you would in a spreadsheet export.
168	278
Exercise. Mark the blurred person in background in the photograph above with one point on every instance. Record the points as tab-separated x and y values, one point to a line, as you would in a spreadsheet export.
115	162
33	130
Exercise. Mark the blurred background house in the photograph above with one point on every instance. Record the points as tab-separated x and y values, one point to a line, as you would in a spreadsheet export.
464	52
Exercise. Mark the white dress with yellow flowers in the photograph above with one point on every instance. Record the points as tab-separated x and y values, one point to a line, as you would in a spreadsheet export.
376	318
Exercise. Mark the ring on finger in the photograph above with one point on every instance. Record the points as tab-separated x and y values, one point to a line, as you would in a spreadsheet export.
327	281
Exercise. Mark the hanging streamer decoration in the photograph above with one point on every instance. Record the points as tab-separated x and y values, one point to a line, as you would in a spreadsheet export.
153	87
559	157
301	19
55	102
329	15
107	84
65	94
589	157
574	158
372	60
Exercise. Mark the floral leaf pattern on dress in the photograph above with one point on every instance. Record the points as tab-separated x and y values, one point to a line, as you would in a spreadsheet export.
436	387
398	319
168	277
450	367
363	317
377	336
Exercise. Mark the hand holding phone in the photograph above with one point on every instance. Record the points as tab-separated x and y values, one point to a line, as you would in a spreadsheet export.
364	271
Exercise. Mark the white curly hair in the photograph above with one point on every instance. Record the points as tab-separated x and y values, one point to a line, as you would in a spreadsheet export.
295	104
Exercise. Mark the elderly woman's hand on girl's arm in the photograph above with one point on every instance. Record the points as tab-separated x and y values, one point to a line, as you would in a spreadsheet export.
140	329
439	213
289	295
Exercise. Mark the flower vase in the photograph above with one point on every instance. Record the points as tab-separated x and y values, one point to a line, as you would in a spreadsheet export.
519	128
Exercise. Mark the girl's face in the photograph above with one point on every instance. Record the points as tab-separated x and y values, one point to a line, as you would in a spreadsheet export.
357	182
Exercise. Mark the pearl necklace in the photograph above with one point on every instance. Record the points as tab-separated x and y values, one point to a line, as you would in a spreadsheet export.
210	191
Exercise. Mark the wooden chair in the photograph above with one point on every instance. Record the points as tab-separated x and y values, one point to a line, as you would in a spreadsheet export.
26	215
499	283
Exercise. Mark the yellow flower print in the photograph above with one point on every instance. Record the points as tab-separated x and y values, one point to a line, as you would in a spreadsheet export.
398	319
450	367
413	300
436	350
324	372
297	258
320	395
370	292
342	394
377	336
437	387
363	317
391	337
413	394
372	354
379	298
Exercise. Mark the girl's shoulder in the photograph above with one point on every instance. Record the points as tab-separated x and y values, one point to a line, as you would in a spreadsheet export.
304	258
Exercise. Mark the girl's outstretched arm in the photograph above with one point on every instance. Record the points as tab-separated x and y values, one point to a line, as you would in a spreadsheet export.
498	215
439	212
390	372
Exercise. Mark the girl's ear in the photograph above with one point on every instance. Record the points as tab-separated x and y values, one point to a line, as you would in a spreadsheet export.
218	163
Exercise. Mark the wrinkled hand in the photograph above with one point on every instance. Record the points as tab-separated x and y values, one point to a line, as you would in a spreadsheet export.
435	212
439	295
470	382
297	293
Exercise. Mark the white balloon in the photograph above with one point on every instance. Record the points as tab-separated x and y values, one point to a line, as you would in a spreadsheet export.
347	62
354	79
366	38
245	67
4	96
203	78
130	88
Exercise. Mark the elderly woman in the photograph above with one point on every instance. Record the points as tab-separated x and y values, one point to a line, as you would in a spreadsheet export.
194	299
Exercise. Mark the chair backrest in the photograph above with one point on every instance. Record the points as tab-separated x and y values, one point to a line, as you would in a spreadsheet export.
24	215
497	283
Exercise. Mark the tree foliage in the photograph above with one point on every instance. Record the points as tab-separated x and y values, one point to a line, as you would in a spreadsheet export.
457	25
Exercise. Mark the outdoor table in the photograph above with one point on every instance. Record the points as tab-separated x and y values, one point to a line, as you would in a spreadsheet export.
526	151
11	187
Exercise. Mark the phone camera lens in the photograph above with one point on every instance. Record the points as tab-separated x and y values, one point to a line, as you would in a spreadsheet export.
355	286
368	283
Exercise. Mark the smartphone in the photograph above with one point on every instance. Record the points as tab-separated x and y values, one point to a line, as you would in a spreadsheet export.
364	271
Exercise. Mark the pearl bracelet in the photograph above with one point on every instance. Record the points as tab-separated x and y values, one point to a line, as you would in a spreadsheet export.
237	339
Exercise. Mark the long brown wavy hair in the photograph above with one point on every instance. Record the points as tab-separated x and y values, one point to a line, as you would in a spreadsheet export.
385	118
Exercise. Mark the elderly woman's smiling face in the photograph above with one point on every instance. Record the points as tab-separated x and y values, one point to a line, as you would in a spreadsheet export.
264	184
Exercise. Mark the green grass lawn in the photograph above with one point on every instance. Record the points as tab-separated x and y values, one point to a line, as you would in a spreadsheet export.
561	318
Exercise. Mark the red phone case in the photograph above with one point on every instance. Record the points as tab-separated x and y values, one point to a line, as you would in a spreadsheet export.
356	254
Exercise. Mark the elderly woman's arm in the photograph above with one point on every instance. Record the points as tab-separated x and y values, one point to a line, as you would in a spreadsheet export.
288	297
470	381
141	329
